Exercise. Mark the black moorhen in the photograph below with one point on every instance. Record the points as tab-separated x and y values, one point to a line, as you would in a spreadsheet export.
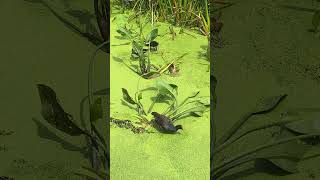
164	124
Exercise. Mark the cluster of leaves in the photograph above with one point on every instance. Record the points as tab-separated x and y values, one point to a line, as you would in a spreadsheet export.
138	42
55	115
146	69
191	105
297	132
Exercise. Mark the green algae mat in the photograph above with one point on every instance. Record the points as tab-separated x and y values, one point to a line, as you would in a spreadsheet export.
155	155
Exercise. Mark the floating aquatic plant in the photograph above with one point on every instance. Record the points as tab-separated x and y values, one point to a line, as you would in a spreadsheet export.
294	133
139	42
191	105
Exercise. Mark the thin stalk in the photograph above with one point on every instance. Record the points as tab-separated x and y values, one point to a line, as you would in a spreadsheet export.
153	103
90	95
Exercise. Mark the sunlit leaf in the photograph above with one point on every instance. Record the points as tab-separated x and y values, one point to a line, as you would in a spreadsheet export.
127	97
165	88
152	35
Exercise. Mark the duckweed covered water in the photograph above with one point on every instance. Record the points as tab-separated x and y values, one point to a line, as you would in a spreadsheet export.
156	155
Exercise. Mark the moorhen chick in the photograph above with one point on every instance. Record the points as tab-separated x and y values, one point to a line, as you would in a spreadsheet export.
164	124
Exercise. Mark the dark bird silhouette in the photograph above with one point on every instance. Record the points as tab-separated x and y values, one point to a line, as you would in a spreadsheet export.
164	124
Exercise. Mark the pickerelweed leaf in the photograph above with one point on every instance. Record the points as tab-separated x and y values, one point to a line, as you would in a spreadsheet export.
316	20
54	114
293	149
127	97
310	121
165	88
152	35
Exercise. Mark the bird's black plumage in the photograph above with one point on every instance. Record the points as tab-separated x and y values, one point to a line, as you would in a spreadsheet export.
164	123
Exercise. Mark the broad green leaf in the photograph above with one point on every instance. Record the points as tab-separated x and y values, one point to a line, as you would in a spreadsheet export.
127	97
166	89
152	35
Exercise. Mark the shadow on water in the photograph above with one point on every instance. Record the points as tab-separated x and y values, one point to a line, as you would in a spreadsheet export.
260	166
46	133
83	16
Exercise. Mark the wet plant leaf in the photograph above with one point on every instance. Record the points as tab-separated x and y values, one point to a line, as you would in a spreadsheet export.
127	97
152	35
125	33
166	89
54	114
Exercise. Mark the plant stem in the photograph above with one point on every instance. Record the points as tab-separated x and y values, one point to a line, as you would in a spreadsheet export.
90	95
153	102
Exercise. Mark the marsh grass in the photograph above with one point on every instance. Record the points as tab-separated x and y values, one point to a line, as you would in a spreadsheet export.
184	13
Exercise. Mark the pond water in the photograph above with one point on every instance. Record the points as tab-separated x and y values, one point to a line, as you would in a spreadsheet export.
160	156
